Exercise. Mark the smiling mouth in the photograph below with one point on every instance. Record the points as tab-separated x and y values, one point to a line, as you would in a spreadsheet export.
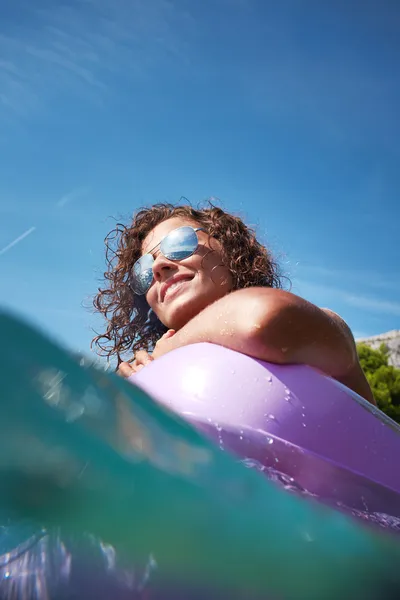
175	287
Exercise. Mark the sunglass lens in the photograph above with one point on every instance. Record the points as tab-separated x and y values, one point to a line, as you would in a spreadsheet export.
179	244
142	274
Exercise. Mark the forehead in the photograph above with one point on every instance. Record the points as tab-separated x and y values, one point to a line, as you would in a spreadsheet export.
155	236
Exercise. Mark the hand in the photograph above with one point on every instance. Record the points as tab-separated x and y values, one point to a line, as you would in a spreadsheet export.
140	360
143	358
163	346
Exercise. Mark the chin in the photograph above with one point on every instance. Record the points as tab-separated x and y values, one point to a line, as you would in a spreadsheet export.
181	311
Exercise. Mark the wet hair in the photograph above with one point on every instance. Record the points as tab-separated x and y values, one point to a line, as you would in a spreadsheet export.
131	325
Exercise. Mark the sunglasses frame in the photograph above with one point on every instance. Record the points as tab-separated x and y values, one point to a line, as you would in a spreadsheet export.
150	253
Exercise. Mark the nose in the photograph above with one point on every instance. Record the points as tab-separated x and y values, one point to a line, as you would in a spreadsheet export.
162	267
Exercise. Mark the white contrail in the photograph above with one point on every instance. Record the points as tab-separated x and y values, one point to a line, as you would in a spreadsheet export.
72	195
17	240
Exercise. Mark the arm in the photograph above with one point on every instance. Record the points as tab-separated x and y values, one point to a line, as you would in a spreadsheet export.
278	327
355	378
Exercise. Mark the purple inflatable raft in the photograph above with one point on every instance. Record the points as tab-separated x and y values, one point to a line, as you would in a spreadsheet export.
307	426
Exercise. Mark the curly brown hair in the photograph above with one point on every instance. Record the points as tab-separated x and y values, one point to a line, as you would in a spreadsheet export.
131	326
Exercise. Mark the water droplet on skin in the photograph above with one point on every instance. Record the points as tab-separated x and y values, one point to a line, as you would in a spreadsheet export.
233	371
269	378
303	415
272	417
304	425
277	460
270	441
241	437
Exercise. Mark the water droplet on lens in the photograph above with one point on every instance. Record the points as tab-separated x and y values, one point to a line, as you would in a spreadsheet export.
74	411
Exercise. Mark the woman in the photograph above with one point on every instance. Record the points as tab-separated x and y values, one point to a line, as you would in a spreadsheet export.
178	276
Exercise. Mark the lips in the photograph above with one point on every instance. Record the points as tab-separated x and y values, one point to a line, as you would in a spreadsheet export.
171	282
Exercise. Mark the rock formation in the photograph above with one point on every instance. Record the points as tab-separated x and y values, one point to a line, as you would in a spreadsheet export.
391	339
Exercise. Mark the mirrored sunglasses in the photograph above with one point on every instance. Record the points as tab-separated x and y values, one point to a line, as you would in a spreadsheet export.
177	245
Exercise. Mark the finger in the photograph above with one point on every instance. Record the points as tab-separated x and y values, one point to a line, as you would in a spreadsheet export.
168	334
125	370
143	358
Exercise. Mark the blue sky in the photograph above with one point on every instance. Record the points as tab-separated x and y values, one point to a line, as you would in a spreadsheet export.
287	112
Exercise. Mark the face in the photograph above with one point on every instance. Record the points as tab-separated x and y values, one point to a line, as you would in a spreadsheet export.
181	289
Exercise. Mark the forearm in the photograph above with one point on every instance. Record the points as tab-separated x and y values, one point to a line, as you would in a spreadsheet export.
274	326
223	323
281	328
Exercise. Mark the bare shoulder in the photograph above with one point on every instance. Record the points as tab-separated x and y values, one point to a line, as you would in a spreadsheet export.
338	319
355	379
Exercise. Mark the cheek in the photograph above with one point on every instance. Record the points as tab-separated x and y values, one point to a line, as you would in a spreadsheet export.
210	260
151	298
213	268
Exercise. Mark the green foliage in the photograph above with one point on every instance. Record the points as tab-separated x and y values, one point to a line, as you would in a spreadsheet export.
382	377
